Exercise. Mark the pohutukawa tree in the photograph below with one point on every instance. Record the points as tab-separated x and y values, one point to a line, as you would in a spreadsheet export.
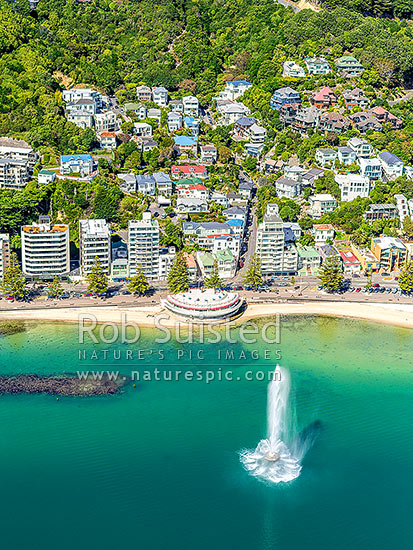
138	284
214	280
97	279
331	274
55	288
253	277
406	278
14	281
178	276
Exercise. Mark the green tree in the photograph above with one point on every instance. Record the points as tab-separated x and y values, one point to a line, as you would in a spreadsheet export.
138	284
214	280
55	288
406	278
307	239
331	274
97	279
369	282
14	281
408	227
253	276
178	276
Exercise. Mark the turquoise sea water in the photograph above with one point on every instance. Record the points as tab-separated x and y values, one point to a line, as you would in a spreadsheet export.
157	466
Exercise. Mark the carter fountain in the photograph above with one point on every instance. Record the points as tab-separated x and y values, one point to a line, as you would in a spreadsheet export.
277	458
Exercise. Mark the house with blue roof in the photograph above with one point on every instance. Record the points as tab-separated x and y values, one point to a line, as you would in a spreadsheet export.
185	144
191	124
391	164
76	164
145	183
163	183
283	96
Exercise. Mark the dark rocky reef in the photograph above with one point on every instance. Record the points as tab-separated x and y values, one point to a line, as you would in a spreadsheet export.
11	327
58	385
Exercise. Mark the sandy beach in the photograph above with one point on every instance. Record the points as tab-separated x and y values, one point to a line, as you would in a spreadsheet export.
395	314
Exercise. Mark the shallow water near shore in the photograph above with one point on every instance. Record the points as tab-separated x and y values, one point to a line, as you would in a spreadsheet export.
157	466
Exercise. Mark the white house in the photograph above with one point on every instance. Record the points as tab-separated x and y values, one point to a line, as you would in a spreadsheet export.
209	153
392	165
46	176
76	163
293	70
231	112
160	96
361	147
370	168
353	186
321	203
323	232
288	188
174	122
190	105
142	129
346	155
325	155
190	205
234	89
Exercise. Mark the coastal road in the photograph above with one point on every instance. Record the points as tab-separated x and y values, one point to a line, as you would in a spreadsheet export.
251	246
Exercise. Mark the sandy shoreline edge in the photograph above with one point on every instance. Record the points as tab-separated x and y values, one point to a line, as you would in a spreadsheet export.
394	314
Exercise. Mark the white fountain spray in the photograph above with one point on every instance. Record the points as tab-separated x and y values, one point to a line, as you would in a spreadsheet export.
277	458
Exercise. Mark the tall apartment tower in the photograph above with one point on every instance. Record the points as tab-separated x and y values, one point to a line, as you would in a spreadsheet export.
4	252
270	241
94	242
45	249
144	246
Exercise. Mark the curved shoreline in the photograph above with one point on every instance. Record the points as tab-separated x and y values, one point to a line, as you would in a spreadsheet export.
394	314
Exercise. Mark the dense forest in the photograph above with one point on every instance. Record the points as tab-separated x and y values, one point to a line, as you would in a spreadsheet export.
181	44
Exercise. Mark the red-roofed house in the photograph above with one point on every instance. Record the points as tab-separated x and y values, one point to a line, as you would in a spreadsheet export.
323	232
323	98
384	117
107	140
189	170
351	264
197	191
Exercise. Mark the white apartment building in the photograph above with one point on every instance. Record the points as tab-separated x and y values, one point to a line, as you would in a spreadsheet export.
352	186
143	238
45	249
4	252
14	174
270	241
17	149
94	242
106	122
166	257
